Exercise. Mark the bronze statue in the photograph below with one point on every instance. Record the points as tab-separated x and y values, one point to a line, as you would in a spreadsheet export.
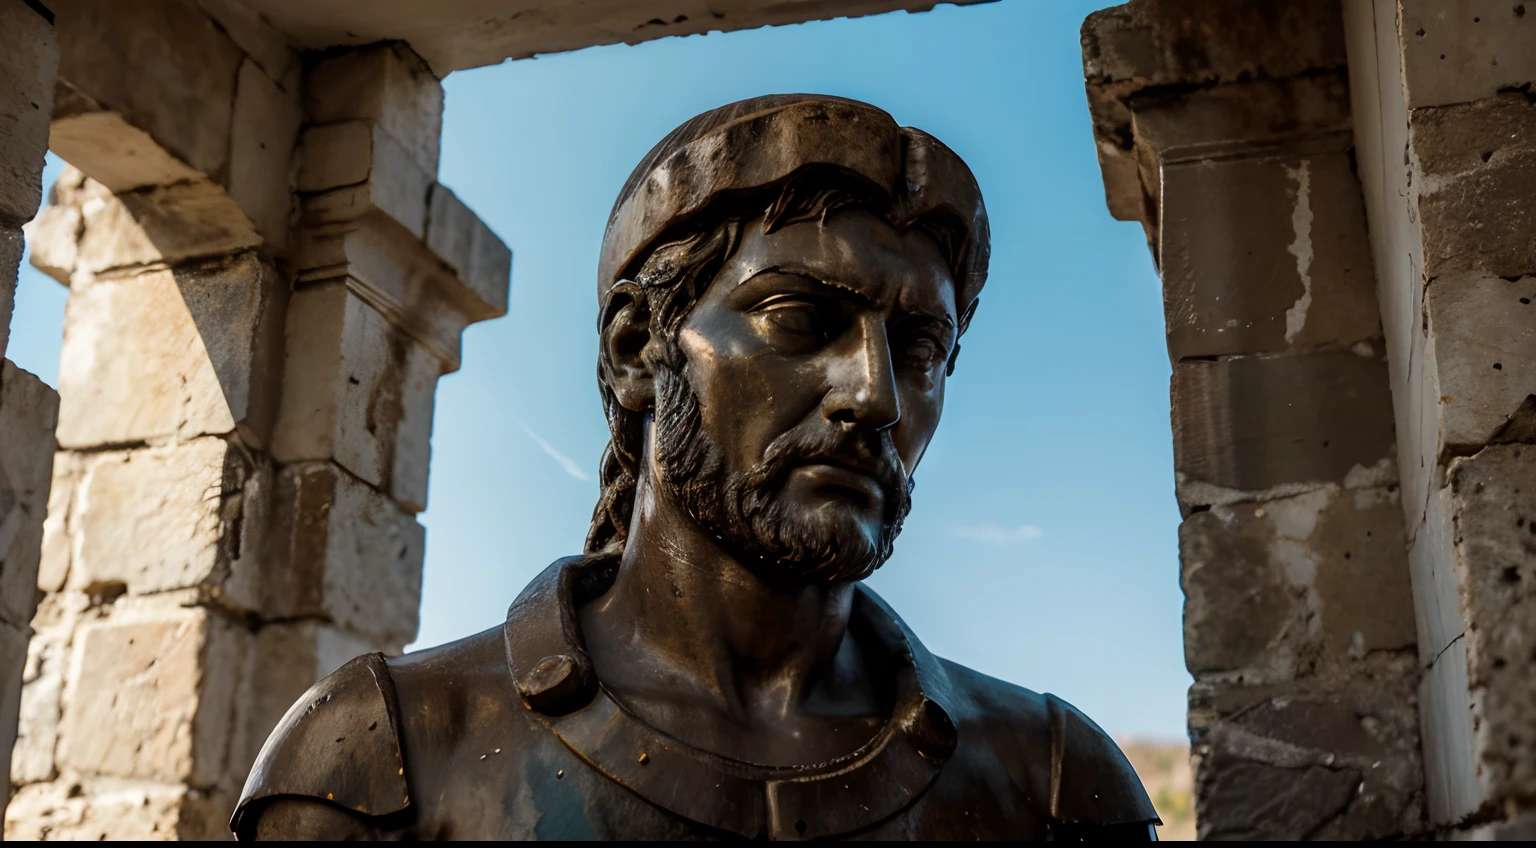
782	285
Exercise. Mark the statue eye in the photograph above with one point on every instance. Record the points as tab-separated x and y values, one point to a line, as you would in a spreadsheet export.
798	315
921	354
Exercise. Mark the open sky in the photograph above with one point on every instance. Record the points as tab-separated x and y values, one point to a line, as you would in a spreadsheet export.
1042	545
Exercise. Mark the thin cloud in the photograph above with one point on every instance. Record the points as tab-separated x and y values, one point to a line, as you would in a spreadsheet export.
566	462
995	534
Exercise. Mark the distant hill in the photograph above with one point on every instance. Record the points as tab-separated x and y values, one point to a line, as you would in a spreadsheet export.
1165	772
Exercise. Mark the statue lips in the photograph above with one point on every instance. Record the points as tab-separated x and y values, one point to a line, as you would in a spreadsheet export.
868	481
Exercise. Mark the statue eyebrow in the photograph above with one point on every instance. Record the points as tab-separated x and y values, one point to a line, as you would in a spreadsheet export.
847	290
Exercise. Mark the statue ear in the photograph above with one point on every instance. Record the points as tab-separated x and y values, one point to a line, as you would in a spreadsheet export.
965	324
624	333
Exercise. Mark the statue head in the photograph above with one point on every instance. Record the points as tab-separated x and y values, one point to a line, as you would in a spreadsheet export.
782	287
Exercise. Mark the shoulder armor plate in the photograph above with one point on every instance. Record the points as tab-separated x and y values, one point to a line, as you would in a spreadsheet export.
1091	780
339	744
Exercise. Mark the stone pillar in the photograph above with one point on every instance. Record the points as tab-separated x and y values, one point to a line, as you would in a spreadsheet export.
265	284
29	58
1225	130
1447	149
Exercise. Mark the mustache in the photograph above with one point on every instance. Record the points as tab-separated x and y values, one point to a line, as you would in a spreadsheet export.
869	452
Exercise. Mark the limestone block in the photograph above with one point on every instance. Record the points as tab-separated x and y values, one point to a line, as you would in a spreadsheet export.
1264	255
1481	220
118	154
101	809
387	85
29	61
1484	331
360	167
1324	762
164	65
1468	50
58	546
345	554
178	352
265	46
28	412
159	225
1493	506
1294	585
55	239
266	127
1255	424
152	693
358	391
468	246
181	516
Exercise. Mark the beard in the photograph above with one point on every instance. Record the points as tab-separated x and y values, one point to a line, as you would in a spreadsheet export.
748	512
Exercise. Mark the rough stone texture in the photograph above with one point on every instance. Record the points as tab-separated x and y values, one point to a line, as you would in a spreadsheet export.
1255	424
371	170
385	86
117	154
151	695
1482	220
1279	590
267	115
344	554
358	391
1339	761
162	64
1493	503
28	413
1464	51
29	59
11	247
157	225
176	352
469	247
1265	255
55	239
13	654
178	517
98	809
1484	331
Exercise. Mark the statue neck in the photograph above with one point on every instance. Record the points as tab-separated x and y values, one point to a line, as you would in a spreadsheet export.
684	616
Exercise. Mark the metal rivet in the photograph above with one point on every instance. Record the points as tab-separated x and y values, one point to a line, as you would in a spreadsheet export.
559	774
644	758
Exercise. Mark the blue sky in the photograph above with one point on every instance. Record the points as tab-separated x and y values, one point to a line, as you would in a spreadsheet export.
1042	545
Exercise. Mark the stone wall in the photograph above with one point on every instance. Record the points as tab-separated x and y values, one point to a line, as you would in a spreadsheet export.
266	282
1225	129
1447	148
29	55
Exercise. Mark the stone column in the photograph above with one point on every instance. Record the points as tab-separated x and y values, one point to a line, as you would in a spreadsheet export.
1225	130
1447	150
29	58
264	290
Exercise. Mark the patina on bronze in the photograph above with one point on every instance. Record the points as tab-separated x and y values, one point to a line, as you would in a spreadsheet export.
782	287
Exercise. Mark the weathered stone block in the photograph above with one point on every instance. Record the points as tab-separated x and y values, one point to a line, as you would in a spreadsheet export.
55	239
184	516
172	353
1291	762
47	661
388	85
1481	220
100	809
120	156
29	61
1265	255
28	412
1295	585
1255	424
152	695
1455	53
1465	137
358	391
164	65
475	253
159	225
261	145
360	167
1484	331
1493	507
345	554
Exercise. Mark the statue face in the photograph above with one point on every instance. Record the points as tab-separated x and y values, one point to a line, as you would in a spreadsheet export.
814	380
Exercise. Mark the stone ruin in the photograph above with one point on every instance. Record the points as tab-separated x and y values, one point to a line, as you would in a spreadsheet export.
266	281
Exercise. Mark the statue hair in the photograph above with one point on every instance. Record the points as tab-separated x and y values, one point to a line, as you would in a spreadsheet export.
677	272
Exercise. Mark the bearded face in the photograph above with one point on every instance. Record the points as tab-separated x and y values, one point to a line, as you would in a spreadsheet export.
800	391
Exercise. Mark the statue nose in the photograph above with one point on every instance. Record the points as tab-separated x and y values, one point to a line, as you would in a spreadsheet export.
863	386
